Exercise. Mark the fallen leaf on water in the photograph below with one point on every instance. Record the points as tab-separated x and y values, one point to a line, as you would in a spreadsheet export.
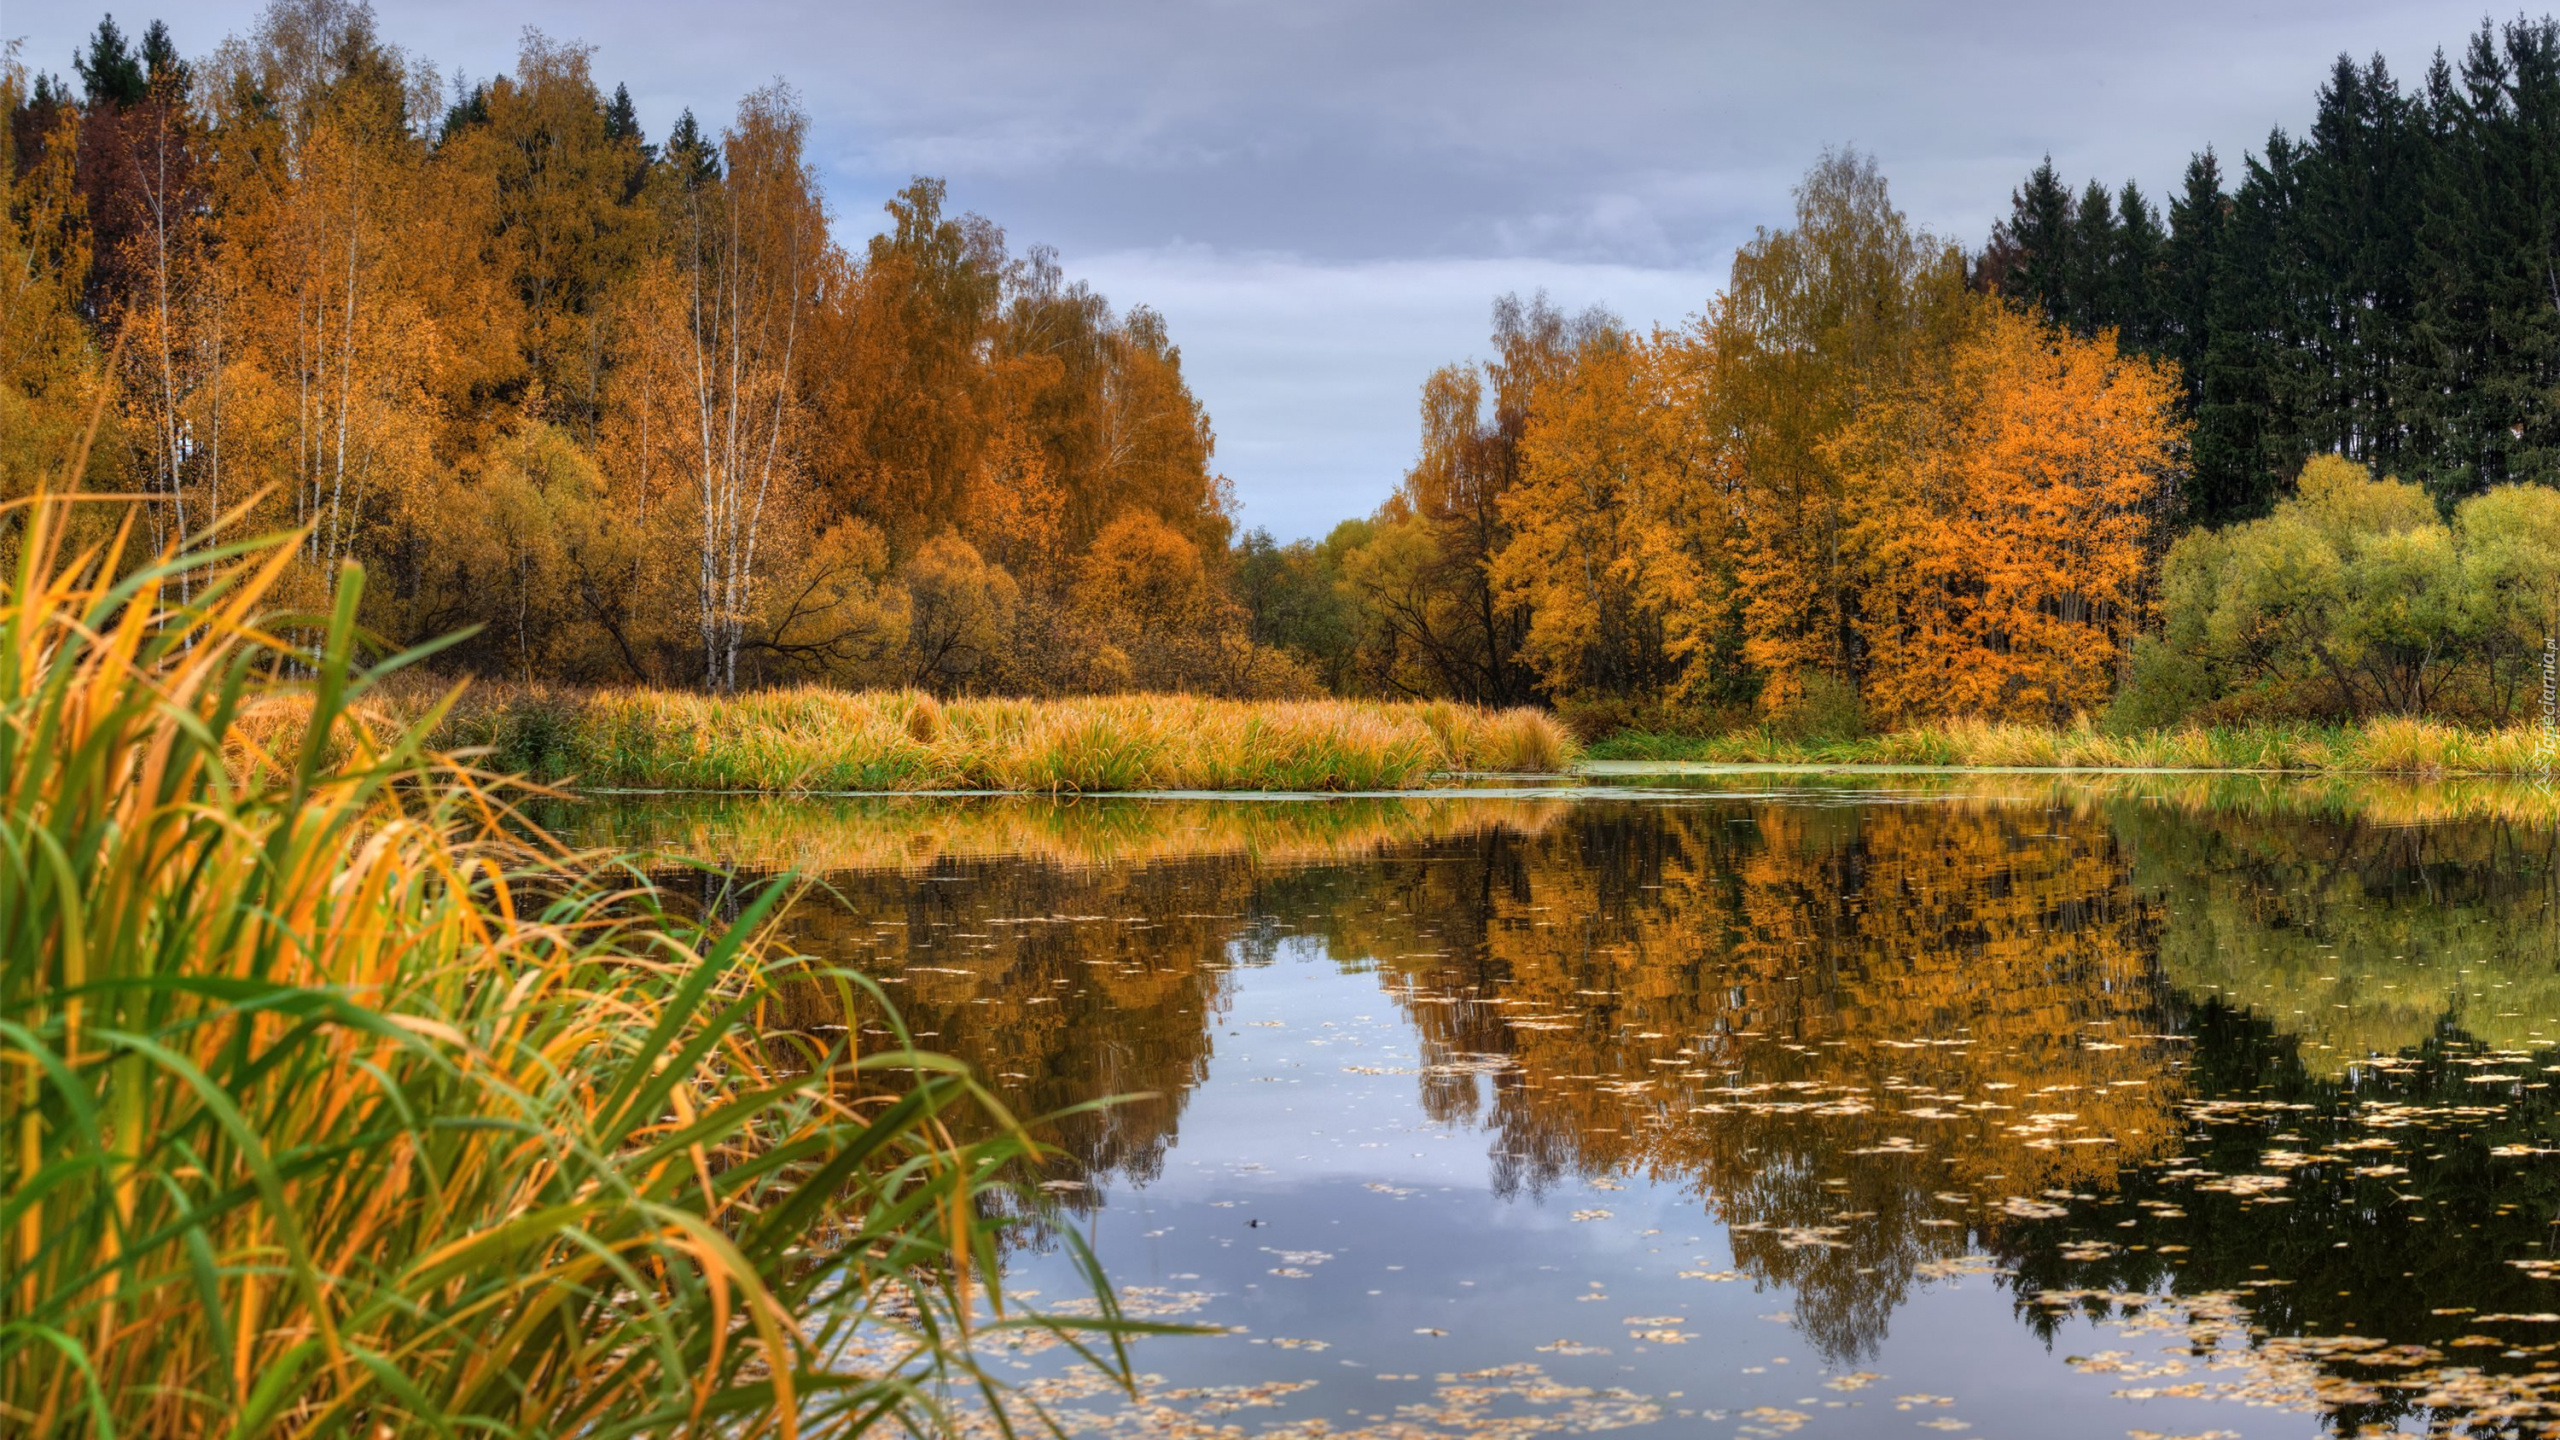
1854	1380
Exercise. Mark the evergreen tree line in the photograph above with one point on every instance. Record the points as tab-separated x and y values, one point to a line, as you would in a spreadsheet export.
614	402
2385	286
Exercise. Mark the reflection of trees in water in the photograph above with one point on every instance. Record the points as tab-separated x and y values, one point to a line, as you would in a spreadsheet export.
1057	985
1062	982
2358	938
2416	1258
1742	1000
1749	1001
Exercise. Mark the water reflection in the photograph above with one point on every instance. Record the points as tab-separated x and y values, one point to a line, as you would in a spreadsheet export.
2269	1050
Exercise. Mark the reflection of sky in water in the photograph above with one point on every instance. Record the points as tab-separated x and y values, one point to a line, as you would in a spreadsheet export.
1721	1112
1414	1238
1347	1165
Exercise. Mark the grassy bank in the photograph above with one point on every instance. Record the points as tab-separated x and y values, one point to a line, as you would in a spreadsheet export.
2383	747
830	740
330	1105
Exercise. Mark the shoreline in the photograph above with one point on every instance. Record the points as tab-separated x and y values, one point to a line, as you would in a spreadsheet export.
818	741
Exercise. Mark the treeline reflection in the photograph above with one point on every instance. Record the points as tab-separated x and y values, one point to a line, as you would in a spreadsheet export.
1871	1036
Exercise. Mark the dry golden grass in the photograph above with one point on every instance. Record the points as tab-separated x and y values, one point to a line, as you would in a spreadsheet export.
819	740
2420	748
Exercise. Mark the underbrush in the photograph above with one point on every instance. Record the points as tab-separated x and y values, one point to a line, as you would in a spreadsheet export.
338	1101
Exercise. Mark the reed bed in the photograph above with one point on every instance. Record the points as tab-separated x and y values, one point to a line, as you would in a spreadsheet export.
813	739
2383	747
329	1109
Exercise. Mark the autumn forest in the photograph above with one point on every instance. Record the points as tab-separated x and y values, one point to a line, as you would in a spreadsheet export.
639	801
620	400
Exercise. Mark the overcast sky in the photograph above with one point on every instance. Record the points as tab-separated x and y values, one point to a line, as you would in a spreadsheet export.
1323	198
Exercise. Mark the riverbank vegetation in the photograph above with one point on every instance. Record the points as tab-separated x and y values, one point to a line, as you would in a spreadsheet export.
338	1104
2384	747
815	738
917	836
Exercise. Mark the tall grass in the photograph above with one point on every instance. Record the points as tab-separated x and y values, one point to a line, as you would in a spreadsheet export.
814	739
2422	748
328	1109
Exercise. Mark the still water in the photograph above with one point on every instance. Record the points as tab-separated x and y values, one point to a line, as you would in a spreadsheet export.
1889	1107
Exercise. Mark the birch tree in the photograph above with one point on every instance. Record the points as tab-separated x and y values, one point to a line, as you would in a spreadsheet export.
752	243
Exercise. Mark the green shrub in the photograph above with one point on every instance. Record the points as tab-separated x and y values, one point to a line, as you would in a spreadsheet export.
2163	685
2354	600
1825	709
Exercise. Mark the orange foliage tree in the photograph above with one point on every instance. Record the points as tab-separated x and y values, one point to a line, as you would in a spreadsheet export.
1852	475
2002	506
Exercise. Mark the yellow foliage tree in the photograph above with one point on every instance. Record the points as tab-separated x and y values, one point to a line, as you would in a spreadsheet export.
1606	532
1818	320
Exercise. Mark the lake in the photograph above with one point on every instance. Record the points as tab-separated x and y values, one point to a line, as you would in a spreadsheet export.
1752	1106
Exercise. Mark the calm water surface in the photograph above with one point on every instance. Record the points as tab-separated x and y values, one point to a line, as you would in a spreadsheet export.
1885	1108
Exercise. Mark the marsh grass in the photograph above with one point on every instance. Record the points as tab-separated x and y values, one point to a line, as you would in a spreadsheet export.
2406	747
335	1102
814	739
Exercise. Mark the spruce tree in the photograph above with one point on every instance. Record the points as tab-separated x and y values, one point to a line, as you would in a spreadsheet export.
2356	231
469	108
111	74
2248	439
621	117
2196	220
2488	278
2091	303
690	153
622	127
2139	284
164	71
2040	228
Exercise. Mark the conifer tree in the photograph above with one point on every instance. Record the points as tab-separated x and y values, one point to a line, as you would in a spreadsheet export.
111	73
2090	276
2040	227
2355	230
2193	250
2487	308
689	154
621	118
2249	413
2139	282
